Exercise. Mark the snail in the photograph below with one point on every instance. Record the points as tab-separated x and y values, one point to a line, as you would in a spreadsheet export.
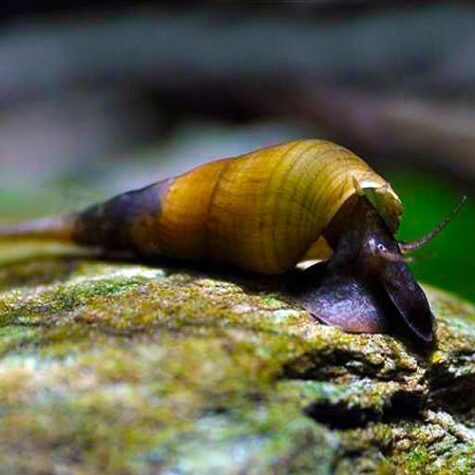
265	212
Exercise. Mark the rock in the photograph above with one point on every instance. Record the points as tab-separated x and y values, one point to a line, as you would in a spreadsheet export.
124	368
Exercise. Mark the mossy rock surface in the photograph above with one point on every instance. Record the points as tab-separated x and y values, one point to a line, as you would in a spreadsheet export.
123	368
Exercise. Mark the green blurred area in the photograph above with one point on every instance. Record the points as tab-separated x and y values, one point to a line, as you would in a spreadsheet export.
447	262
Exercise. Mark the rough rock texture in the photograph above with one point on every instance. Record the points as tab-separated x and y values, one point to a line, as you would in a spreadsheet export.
122	368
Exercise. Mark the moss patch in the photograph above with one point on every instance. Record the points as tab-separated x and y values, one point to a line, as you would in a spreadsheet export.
124	368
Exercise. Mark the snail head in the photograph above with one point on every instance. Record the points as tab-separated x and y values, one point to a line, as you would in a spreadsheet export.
366	286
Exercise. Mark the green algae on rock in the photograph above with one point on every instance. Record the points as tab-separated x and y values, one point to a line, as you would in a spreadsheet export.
123	368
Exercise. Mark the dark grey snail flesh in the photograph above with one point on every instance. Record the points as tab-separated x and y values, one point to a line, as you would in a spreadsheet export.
366	286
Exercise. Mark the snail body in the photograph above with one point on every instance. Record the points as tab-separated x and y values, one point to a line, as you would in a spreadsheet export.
266	211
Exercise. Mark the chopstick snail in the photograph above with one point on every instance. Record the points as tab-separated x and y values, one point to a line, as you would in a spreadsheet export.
266	211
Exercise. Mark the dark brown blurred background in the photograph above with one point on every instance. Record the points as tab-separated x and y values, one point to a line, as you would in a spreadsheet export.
97	100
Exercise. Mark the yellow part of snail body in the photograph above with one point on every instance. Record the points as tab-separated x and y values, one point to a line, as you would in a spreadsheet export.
263	211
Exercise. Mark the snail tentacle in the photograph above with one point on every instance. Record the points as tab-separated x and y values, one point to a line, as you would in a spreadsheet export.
412	246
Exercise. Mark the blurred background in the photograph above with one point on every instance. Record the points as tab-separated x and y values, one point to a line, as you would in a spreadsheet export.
97	98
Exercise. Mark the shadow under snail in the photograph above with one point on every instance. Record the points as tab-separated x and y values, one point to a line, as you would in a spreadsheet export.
266	211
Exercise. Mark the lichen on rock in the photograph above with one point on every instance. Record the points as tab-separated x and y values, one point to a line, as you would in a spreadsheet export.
124	368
